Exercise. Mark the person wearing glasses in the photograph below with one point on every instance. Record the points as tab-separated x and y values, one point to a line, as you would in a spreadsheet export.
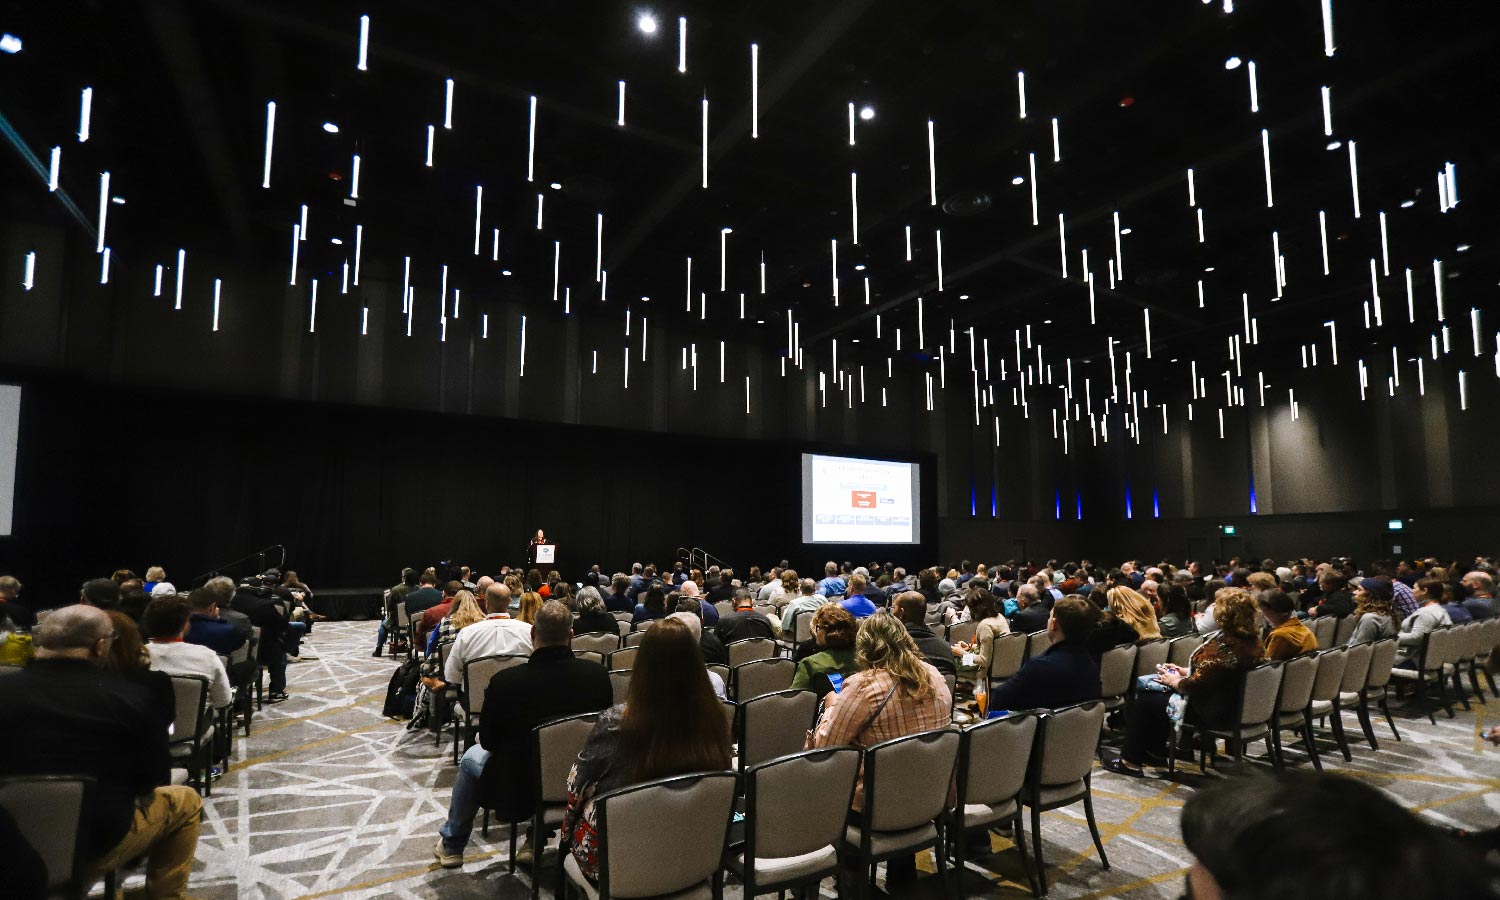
65	715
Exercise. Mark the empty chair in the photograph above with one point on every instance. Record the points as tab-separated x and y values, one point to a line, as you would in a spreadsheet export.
762	676
1059	775
634	638
1467	648
1116	674
1254	706
741	652
403	625
906	789
773	725
1375	685
1325	694
1292	707
477	675
796	807
1325	629
963	632
624	658
804	626
993	758
599	643
557	745
1356	671
659	837
192	733
619	679
1180	649
1006	655
643	625
48	810
1489	638
1037	643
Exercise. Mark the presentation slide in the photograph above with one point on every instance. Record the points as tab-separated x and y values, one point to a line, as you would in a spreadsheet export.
859	501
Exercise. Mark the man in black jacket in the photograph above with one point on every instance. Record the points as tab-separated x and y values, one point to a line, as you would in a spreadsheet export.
62	715
744	623
497	773
270	612
1030	615
1065	674
911	609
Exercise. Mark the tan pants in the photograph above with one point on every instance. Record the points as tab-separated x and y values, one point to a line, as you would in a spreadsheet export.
165	831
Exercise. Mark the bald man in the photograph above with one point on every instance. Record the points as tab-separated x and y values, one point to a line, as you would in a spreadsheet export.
63	715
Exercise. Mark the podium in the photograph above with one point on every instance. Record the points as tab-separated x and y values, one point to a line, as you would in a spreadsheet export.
542	555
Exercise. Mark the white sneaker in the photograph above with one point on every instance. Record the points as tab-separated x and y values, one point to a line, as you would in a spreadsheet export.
445	859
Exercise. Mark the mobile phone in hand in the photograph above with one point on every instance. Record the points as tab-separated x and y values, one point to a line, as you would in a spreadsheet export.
837	681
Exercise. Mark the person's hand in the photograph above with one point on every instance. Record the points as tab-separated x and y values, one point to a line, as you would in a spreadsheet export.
1492	734
1170	679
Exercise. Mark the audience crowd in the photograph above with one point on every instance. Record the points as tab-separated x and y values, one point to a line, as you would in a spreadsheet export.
96	694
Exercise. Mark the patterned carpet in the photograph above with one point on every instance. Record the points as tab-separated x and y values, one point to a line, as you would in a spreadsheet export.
328	799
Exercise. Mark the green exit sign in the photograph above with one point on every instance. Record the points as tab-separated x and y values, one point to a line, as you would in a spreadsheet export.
1229	530
1395	524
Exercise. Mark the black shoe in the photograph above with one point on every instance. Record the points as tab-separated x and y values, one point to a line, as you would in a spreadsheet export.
1120	767
378	651
276	697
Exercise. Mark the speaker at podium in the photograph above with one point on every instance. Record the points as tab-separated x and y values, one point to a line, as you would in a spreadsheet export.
541	551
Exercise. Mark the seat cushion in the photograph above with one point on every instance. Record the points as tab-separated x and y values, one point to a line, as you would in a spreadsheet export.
1348	697
974	815
883	842
1320	707
185	748
591	891
1405	674
778	870
179	776
1059	794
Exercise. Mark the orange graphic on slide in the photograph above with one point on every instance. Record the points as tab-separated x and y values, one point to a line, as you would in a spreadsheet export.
863	500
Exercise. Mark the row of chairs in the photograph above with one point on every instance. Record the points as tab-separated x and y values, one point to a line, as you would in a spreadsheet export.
1443	656
675	833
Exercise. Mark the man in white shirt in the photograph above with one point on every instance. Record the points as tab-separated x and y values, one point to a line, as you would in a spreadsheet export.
165	625
495	635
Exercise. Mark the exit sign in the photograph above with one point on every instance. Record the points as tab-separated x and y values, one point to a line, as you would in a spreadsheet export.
1229	530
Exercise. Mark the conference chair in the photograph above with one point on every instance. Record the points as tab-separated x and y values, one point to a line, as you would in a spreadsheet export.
192	733
1468	647
1325	694
731	711
1149	655
1006	655
796	809
1116	675
1325	629
624	627
1037	643
773	725
8	669
749	649
1377	678
598	642
556	745
619	679
1489	639
634	638
260	671
723	673
48	812
1180	649
768	610
1255	702
762	676
624	658
1062	760
658	838
1434	655
962	631
625	617
403	629
477	675
1356	672
643	625
725	607
1344	629
993	758
906	790
1291	712
589	655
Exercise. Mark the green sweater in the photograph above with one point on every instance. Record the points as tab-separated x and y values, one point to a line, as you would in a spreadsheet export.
812	672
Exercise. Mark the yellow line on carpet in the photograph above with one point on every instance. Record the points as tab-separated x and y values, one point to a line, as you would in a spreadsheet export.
389	879
311	745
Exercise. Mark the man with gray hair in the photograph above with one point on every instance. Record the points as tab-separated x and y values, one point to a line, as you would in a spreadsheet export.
63	715
19	616
497	772
808	603
1031	614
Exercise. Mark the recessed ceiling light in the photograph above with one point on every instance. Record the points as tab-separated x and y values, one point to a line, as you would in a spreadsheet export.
859	267
556	185
963	296
760	321
1174	360
505	271
1334	145
1408	204
1463	248
338	241
119	201
646	23
1046	321
727	230
1124	230
1208	269
854	340
330	128
9	43
867	113
1232	62
1018	180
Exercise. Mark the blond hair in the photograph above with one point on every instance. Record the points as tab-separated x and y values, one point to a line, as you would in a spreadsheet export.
1134	610
883	643
466	611
531	601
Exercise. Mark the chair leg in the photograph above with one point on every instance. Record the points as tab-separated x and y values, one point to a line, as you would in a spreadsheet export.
1020	834
1385	709
1474	682
1336	719
512	846
1088	810
939	858
1458	687
957	835
1307	740
1363	712
1491	679
1036	847
1273	745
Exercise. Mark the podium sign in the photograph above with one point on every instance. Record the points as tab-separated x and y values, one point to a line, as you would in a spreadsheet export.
546	554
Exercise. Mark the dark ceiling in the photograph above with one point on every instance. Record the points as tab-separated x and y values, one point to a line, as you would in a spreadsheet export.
1141	93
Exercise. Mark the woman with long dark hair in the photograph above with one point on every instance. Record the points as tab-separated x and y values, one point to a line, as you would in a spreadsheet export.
671	723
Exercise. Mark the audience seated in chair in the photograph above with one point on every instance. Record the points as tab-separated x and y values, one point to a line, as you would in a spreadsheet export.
834	630
1065	673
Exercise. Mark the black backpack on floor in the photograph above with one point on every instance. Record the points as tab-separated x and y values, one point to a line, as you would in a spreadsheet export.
401	695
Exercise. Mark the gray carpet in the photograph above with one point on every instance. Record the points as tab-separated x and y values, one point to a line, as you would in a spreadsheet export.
327	798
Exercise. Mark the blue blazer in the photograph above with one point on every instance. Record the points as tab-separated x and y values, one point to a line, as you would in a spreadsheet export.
1063	675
